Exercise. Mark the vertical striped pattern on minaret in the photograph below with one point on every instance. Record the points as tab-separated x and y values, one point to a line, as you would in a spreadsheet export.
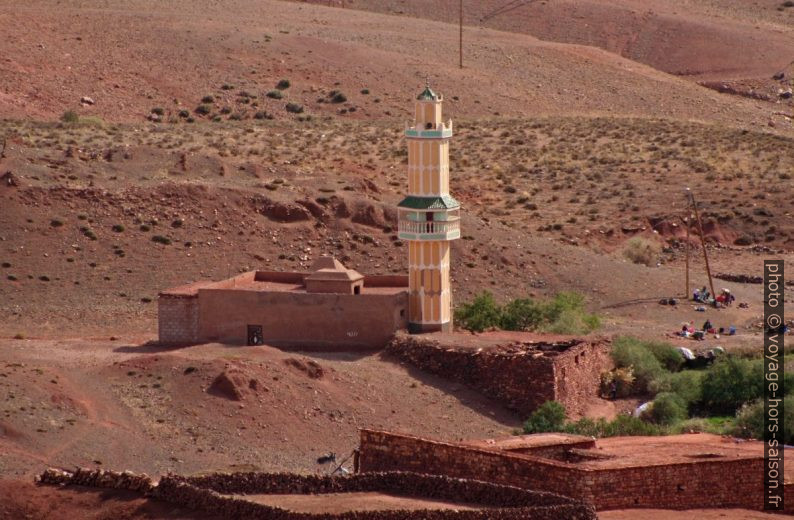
429	260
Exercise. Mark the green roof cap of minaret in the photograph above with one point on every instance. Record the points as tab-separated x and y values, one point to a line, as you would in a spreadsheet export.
427	93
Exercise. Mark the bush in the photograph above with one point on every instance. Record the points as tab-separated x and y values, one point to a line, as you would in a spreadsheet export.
158	111
283	84
294	108
521	314
263	115
203	110
686	384
275	94
118	228
622	425
565	314
549	417
732	382
482	313
365	91
630	352
160	239
641	251
184	114
668	408
70	116
668	356
208	99
750	420
338	97
56	222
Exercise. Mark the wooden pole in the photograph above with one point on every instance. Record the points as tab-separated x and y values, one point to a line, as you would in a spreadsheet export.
686	223
702	241
460	46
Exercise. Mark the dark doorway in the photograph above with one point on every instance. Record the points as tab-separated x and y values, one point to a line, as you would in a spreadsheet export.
255	335
357	289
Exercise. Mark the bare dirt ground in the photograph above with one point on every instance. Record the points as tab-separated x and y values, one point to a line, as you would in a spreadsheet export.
343	502
577	126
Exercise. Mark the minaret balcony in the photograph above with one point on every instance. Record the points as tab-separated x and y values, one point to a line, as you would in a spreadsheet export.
439	131
430	230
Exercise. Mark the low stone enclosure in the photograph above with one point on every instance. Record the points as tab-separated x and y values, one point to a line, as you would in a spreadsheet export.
671	472
223	495
520	370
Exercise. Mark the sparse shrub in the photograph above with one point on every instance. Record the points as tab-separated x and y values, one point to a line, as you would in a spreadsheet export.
750	420
283	84
19	335
667	408
338	97
227	87
70	116
275	94
118	228
294	108
549	417
56	222
622	425
208	99
365	91
145	228
177	223
641	251
263	115
203	110
158	111
226	110
160	239
184	114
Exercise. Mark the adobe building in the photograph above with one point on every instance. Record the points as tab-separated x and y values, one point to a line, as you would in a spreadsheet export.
328	307
332	306
685	471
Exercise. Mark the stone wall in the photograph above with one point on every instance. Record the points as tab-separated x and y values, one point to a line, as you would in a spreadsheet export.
696	484
211	494
522	377
177	319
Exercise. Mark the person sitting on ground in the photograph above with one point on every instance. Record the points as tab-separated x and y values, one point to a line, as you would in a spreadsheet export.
707	326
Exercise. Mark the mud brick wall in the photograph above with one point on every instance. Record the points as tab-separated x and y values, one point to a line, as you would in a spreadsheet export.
178	319
520	379
696	484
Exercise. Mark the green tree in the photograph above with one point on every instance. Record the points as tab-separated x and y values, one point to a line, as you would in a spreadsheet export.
482	313
549	417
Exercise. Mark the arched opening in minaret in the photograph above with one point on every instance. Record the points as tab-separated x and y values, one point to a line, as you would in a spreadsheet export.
428	125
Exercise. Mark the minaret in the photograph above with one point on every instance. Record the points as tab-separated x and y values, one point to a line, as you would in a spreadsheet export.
429	218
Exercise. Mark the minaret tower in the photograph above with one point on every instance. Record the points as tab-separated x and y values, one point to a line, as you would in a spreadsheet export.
429	218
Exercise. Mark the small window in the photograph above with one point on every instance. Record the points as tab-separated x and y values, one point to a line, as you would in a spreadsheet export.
402	313
428	126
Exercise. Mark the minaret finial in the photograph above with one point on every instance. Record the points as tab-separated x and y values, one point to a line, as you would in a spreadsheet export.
427	81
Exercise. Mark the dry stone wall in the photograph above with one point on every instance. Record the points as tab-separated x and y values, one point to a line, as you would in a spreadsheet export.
521	376
697	484
212	494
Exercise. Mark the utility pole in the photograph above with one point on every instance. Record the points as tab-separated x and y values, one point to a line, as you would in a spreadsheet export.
686	223
702	240
460	45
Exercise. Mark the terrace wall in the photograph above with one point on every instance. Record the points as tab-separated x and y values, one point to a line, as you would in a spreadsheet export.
696	484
